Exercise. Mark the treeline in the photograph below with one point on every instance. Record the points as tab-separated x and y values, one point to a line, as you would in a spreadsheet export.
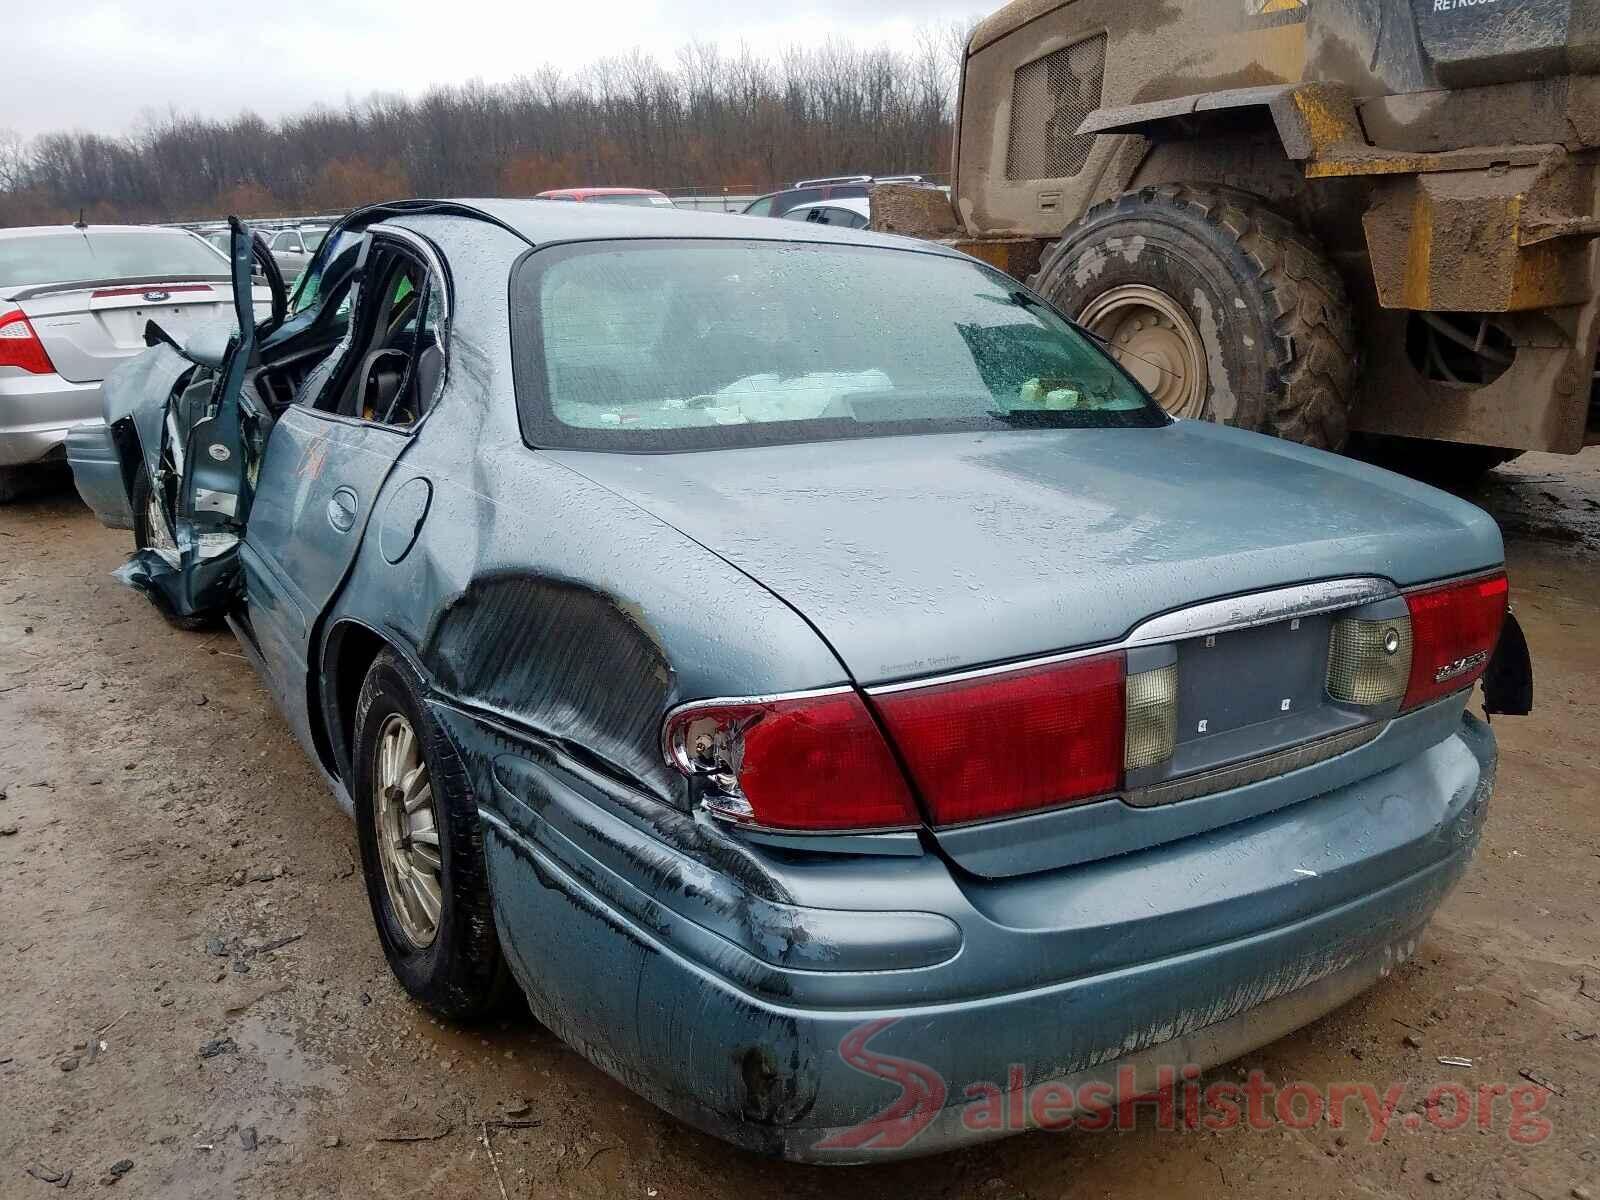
708	119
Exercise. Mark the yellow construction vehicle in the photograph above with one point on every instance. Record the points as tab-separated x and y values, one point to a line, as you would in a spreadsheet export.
1315	218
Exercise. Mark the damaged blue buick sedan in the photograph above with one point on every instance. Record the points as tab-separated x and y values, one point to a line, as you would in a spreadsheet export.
810	668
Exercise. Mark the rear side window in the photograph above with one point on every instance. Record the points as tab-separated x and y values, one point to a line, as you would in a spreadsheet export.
93	255
784	201
828	214
689	345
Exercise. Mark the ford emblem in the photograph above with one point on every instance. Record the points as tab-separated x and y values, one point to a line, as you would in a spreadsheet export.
157	297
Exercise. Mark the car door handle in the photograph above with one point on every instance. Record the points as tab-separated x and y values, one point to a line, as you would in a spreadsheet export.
342	510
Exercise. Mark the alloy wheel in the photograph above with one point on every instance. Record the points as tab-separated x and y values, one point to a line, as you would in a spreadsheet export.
406	821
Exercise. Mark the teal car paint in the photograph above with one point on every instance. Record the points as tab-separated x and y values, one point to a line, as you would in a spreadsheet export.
561	485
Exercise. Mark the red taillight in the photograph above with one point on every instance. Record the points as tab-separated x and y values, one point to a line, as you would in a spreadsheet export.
1454	629
1004	744
20	345
811	763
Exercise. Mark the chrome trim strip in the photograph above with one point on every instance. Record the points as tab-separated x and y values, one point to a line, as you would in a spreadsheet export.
1261	608
1205	619
1253	770
1050	660
1487	573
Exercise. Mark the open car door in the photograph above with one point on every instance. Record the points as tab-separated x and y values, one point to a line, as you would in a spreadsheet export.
212	437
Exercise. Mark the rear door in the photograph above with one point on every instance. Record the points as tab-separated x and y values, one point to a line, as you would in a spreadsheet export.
331	452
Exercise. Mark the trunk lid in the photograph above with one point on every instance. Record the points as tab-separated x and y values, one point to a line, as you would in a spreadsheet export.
89	331
923	555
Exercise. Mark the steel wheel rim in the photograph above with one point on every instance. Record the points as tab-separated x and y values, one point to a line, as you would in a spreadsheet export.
406	823
1155	341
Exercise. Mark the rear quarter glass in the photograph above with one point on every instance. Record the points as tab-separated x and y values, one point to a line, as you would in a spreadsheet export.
675	345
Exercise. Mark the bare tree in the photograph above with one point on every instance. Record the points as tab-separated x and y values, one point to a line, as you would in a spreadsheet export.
706	119
13	161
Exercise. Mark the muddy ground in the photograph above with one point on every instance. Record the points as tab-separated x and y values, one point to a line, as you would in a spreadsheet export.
160	833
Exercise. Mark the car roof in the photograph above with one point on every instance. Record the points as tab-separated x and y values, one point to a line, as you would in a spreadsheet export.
545	222
600	191
67	230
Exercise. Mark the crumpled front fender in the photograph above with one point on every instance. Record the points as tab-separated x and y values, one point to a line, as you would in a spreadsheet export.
137	393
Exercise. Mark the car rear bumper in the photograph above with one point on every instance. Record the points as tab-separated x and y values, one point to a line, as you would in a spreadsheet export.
732	1032
97	472
38	411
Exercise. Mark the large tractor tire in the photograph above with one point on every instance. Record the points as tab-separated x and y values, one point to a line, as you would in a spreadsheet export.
1223	309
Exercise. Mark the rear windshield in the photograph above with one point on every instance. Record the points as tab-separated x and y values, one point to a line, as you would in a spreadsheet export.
96	255
685	345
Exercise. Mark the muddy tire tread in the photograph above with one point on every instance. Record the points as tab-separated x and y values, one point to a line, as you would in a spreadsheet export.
1314	353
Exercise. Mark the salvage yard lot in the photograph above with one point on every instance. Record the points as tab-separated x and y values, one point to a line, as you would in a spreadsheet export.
191	981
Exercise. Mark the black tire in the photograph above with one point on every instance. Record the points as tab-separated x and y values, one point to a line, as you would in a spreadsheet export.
461	974
33	479
142	540
1270	309
1454	465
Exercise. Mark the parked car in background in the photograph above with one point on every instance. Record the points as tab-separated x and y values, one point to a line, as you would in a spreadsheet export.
777	204
74	303
831	180
849	213
813	191
293	248
826	713
637	197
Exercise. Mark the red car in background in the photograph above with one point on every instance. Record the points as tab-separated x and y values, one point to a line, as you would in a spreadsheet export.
640	197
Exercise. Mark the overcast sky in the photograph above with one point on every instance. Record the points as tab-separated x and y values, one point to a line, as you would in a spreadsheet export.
80	64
